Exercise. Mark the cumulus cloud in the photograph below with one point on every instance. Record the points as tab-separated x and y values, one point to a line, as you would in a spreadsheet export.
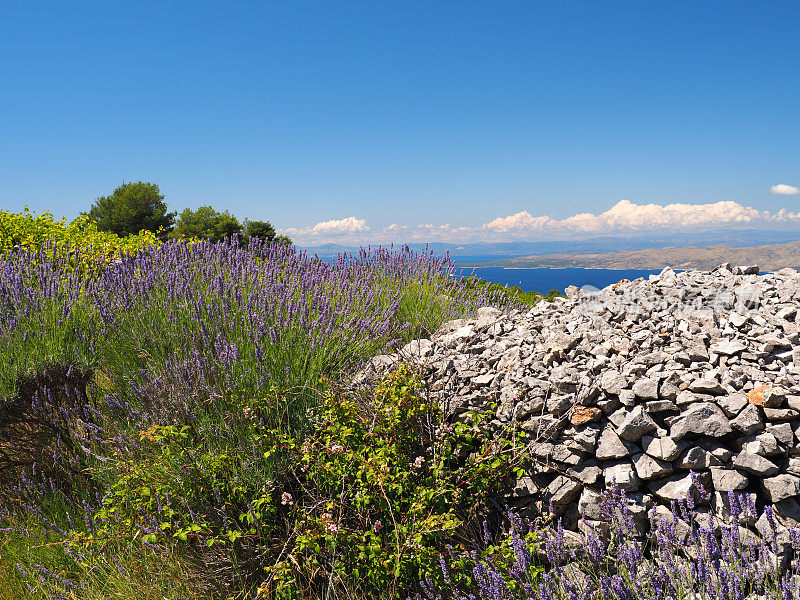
625	216
785	190
340	226
521	221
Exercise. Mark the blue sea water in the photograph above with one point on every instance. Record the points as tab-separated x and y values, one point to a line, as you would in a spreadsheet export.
544	280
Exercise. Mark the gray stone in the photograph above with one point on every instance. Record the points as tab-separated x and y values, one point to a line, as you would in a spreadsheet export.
787	512
755	464
635	425
702	419
562	490
781	487
646	389
624	475
780	414
559	405
764	444
662	448
732	404
586	473
696	458
707	386
727	348
525	486
661	406
728	480
674	487
749	421
610	446
612	382
590	505
648	467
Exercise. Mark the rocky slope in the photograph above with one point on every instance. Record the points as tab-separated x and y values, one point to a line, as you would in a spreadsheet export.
639	384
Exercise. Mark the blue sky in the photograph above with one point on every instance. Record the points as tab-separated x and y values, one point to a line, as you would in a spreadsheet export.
444	120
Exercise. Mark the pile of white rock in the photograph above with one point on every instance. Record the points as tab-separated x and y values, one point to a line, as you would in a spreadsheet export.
638	385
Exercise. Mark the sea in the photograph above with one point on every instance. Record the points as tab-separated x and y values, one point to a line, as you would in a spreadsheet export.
544	280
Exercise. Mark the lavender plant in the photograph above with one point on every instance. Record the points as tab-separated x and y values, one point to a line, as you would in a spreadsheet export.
689	553
182	342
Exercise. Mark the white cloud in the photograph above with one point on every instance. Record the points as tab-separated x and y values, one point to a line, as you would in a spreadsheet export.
785	190
521	221
625	216
340	226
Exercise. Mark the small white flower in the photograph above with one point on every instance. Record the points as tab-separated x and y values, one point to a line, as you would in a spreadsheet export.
286	499
337	449
418	462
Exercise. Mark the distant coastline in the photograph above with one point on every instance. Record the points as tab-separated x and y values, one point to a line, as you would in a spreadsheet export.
769	257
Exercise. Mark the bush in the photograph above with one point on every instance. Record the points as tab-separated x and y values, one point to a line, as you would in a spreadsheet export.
81	244
377	490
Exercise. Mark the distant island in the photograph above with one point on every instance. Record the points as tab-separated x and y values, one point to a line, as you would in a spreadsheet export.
769	258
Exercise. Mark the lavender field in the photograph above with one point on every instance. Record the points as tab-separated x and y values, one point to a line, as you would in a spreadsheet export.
181	424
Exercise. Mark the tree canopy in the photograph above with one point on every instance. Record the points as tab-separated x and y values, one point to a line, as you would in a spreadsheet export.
262	230
205	222
131	208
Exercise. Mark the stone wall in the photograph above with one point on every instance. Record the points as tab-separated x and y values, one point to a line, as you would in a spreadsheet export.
639	384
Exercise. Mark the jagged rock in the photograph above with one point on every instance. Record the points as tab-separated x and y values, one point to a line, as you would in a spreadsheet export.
648	467
622	474
612	383
562	490
524	487
780	414
702	419
728	480
764	444
728	348
732	404
749	421
586	473
610	446
673	487
646	389
696	458
766	396
783	433
635	425
662	448
707	386
755	464
781	487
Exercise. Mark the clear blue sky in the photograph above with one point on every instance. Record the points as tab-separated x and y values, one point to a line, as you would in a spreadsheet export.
400	112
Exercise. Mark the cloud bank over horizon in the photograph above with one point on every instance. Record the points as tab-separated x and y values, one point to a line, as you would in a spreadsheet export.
623	217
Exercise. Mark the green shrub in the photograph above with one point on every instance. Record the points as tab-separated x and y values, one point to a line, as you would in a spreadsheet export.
81	241
377	490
